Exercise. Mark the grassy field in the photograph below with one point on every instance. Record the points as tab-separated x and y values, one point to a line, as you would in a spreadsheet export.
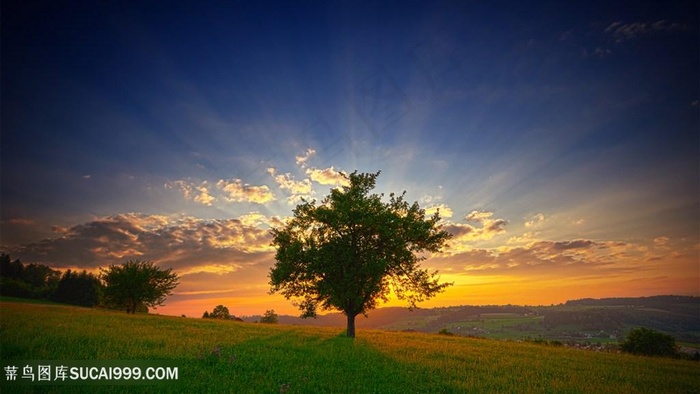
224	356
511	326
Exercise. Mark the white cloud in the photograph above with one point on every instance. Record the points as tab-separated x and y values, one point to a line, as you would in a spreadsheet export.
301	160
535	220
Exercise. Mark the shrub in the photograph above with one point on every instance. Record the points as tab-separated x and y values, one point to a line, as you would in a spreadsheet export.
220	312
270	317
649	342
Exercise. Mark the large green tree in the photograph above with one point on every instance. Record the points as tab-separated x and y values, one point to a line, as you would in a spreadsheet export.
350	251
136	283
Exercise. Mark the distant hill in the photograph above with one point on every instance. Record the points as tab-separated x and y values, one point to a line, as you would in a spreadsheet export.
681	304
676	315
575	320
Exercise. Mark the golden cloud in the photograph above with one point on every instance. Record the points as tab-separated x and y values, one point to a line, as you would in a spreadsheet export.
301	160
464	233
239	192
253	219
535	220
445	211
661	242
192	191
204	197
478	216
328	176
298	189
540	258
579	262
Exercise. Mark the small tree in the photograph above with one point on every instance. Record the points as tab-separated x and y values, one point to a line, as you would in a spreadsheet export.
649	342
220	312
136	284
270	317
352	250
205	315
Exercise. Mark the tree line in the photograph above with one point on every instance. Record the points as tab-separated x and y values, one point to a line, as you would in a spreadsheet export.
38	281
133	286
222	312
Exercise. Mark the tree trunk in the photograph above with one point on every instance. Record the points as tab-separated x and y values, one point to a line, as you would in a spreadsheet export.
351	326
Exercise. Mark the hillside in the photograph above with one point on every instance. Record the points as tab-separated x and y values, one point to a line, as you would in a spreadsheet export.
586	320
226	356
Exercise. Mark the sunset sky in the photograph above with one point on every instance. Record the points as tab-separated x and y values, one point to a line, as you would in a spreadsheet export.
559	140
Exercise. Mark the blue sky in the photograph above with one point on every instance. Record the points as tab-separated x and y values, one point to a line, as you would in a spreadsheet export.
552	135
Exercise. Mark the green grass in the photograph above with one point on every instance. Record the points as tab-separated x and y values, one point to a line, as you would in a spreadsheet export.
500	326
221	356
28	300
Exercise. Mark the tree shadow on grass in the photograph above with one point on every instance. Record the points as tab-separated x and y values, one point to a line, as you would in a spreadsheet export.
291	362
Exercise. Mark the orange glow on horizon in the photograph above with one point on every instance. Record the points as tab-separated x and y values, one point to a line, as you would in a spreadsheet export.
473	290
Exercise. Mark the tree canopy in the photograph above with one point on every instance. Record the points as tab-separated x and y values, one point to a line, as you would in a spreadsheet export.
26	281
137	283
220	312
642	340
352	250
78	288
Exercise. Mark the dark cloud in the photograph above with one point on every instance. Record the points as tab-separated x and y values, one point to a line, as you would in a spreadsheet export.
484	228
550	258
458	230
496	226
566	245
185	243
